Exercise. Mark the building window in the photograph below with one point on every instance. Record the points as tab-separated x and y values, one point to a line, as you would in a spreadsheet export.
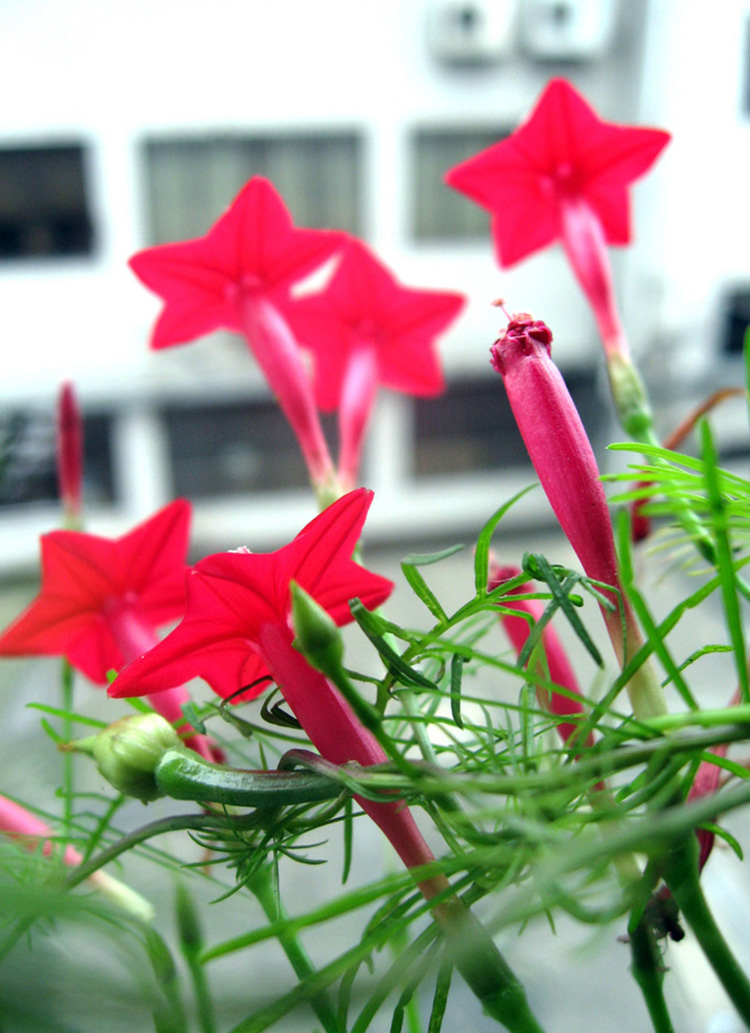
190	180
471	428
44	205
28	460
438	212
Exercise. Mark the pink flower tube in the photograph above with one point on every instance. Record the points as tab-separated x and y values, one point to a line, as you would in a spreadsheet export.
561	673
564	461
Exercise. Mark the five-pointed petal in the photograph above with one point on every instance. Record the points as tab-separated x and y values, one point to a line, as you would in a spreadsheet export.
563	150
85	576
364	304
253	247
232	596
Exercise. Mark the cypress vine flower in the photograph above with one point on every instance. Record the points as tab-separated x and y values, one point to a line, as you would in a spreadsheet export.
235	278
561	454
237	631
238	627
366	329
564	175
102	599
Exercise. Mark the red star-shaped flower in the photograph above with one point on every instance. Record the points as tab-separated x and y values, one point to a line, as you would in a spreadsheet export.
253	249
365	307
86	580
234	596
563	152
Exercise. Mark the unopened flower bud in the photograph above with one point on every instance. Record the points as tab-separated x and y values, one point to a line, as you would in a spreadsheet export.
563	458
318	637
70	454
128	753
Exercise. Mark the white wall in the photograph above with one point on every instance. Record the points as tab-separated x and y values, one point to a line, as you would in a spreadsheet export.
699	238
110	71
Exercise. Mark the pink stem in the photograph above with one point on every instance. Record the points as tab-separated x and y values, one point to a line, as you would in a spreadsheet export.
134	638
561	673
357	399
278	355
585	246
339	737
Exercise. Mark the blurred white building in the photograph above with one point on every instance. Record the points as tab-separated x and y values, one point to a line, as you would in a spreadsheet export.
134	122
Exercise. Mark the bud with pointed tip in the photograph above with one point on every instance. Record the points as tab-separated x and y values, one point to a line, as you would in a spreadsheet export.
317	636
563	458
70	454
128	753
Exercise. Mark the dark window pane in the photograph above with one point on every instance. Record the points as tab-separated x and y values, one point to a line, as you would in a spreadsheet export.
44	208
439	212
28	462
221	450
471	428
191	180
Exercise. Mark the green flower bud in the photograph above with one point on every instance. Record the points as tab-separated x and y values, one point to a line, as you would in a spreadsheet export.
128	752
318	637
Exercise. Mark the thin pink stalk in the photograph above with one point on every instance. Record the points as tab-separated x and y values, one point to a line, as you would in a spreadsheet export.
561	672
358	395
134	638
564	461
279	357
339	737
70	454
18	823
585	246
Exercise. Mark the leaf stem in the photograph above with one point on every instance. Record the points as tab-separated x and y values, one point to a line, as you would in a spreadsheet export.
648	971
262	887
680	872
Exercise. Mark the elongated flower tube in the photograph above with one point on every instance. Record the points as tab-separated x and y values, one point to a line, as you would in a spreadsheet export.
561	672
18	823
70	455
235	278
102	600
365	330
564	461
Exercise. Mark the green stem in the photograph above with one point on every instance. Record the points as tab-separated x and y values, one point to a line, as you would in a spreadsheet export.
66	677
191	943
680	872
155	828
688	519
473	952
184	775
262	887
648	971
